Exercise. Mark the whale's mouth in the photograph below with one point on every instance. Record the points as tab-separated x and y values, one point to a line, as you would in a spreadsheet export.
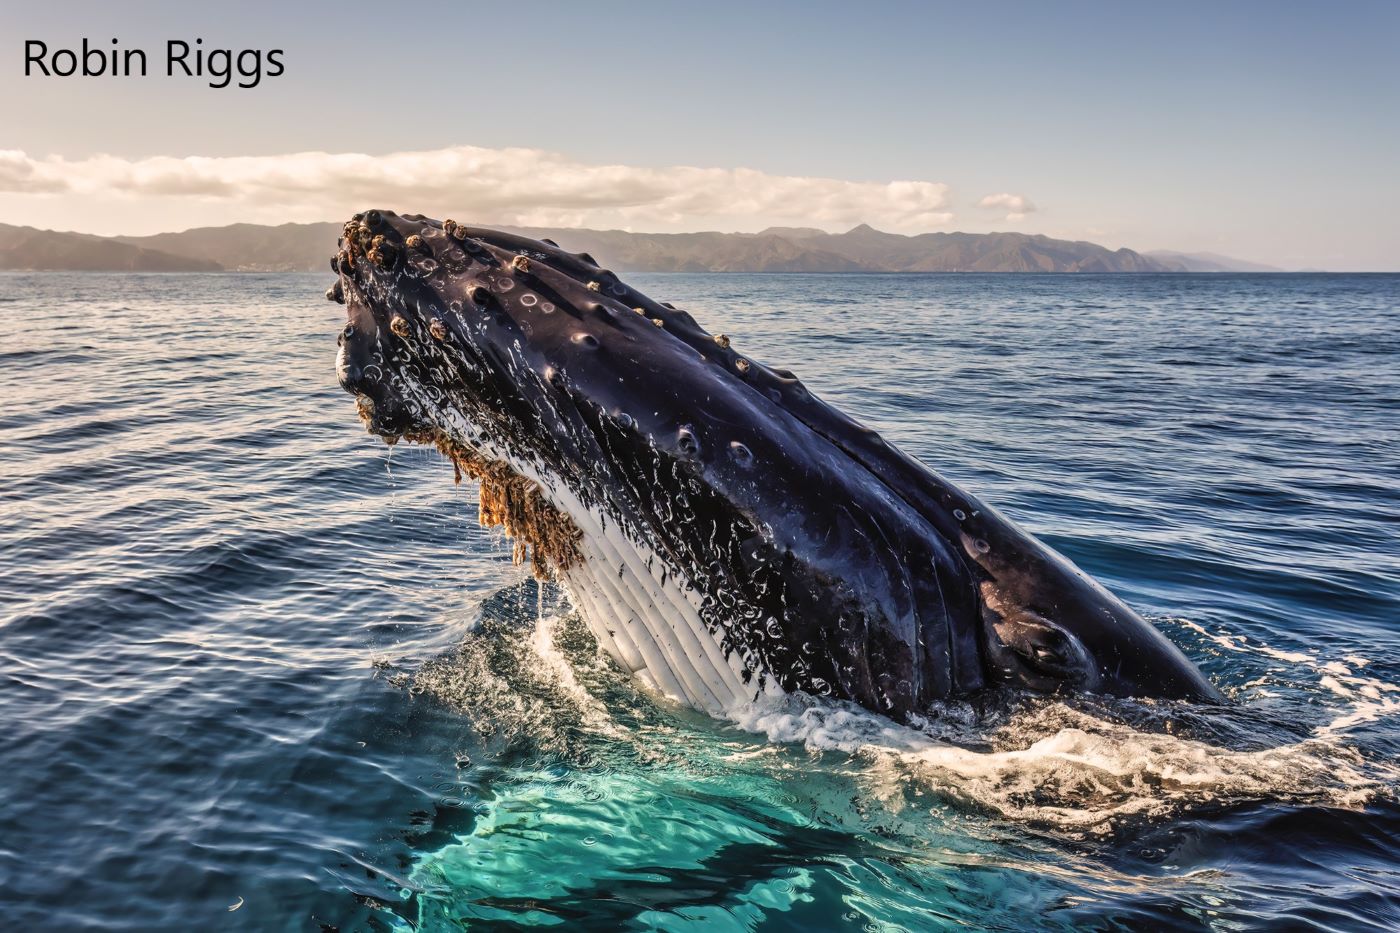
722	531
541	534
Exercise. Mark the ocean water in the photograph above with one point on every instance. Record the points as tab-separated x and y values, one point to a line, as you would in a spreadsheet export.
259	671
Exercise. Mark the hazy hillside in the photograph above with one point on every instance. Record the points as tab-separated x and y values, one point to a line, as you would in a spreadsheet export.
697	252
308	247
251	247
48	250
1208	262
976	252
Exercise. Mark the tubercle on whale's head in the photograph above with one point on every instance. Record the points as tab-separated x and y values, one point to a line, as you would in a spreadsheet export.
444	297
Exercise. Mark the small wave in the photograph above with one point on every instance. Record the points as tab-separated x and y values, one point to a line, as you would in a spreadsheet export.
1368	698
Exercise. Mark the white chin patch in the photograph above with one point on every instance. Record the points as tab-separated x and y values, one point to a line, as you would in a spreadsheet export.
651	626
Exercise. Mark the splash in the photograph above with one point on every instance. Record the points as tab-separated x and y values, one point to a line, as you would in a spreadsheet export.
1066	766
1066	769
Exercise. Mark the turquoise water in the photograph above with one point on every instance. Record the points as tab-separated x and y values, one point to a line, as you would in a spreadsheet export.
261	672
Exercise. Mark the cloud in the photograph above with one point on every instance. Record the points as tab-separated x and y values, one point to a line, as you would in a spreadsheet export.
17	173
521	186
1017	206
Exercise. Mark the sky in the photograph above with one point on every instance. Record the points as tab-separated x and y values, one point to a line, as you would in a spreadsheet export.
1265	131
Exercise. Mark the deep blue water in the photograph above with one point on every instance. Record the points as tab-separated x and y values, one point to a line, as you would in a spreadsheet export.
257	671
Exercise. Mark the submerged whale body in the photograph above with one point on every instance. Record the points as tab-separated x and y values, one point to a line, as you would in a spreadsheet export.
723	532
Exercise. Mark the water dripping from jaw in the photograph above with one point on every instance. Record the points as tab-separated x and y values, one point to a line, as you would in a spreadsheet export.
393	487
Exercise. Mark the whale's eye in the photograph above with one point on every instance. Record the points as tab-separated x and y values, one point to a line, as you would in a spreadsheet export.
1048	650
687	442
373	218
349	330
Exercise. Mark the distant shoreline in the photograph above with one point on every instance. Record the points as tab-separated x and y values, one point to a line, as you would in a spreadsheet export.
255	248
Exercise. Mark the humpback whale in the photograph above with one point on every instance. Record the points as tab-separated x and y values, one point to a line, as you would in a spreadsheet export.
723	532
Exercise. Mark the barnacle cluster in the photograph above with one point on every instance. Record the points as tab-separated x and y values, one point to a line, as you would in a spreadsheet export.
359	239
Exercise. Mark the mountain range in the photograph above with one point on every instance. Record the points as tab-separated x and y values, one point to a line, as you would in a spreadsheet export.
307	247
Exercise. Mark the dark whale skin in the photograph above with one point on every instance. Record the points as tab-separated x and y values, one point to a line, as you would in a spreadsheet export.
825	558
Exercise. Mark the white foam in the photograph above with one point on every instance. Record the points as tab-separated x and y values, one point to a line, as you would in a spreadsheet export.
1063	768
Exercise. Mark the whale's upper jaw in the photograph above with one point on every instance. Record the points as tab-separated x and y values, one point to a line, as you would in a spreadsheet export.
816	555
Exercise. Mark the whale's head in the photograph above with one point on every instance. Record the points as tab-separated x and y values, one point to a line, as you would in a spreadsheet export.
722	530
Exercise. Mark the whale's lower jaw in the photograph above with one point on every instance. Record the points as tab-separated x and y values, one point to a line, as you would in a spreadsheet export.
640	609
